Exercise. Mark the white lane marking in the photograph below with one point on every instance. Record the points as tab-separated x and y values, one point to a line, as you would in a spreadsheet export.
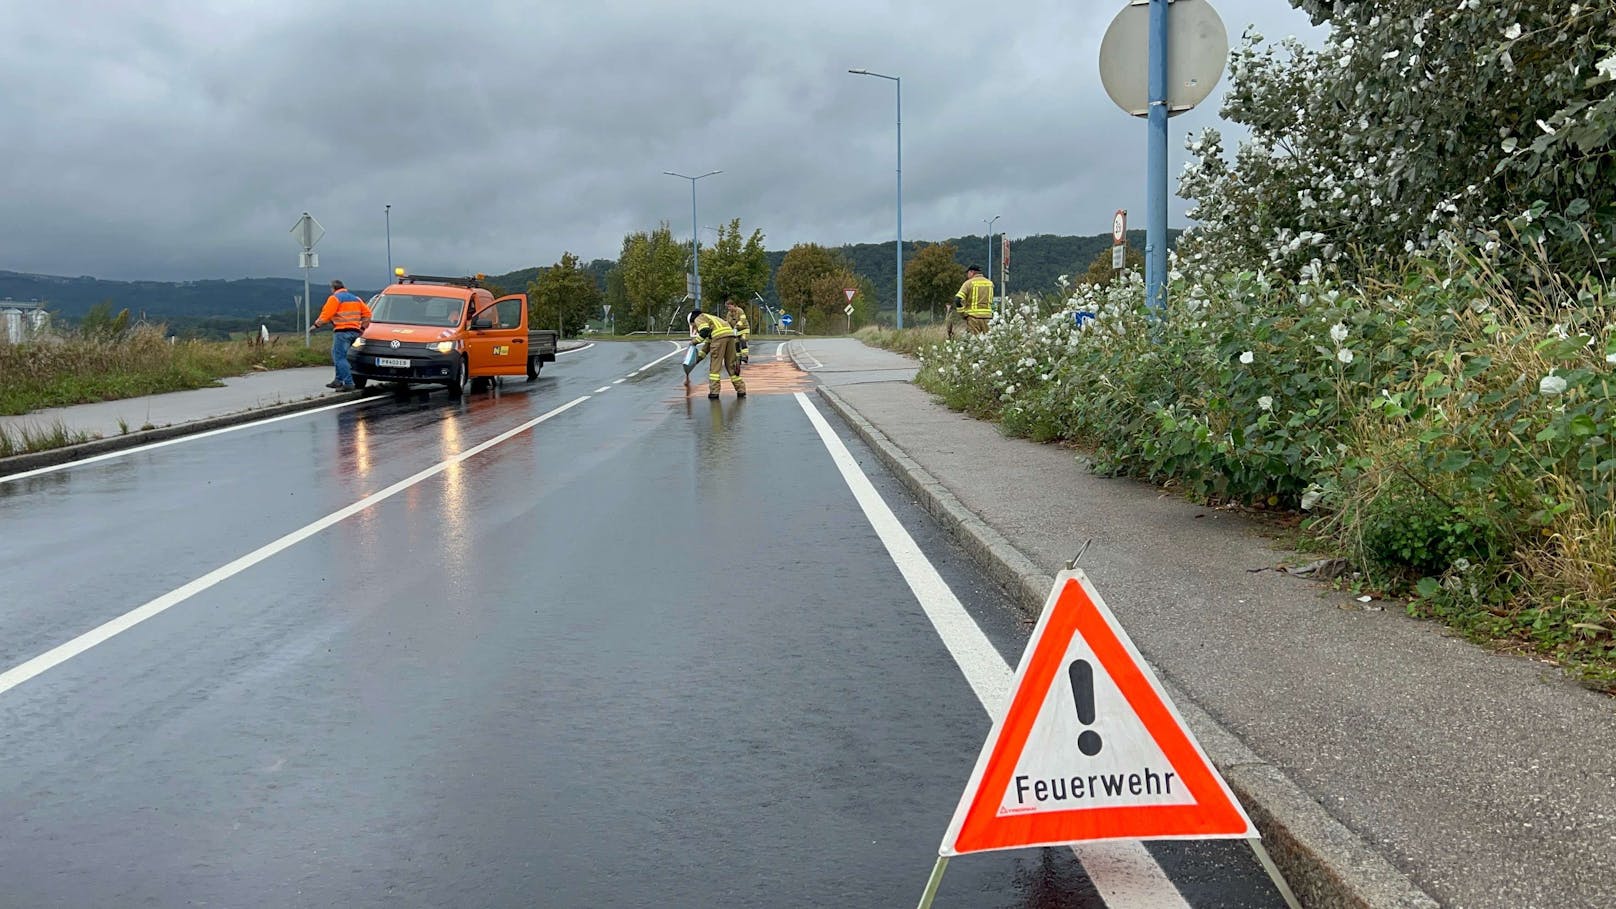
124	452
1124	873
805	353
61	653
603	388
575	349
618	381
676	349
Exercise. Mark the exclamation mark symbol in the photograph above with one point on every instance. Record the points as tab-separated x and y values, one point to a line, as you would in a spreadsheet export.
1082	675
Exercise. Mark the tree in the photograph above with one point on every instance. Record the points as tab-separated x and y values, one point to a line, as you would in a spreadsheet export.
563	296
1101	273
652	267
804	264
733	268
932	277
100	322
616	296
827	313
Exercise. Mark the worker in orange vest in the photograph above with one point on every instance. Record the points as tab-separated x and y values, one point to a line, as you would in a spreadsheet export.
348	315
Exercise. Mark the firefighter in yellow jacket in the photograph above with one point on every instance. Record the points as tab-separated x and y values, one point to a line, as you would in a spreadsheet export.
975	300
743	331
720	337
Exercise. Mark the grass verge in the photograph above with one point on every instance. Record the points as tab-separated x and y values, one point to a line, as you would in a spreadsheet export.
27	439
62	371
911	342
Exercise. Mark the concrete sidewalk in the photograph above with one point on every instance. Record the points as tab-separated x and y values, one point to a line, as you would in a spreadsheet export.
1374	750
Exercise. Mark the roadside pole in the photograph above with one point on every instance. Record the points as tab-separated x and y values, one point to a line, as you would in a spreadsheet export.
1154	68
1156	163
307	232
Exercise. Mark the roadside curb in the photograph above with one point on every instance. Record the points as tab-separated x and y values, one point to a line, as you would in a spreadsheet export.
51	457
1325	863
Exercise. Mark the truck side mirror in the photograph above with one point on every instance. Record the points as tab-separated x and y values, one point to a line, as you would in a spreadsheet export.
482	320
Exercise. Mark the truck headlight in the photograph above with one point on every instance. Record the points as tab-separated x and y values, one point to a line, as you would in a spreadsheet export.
358	343
444	347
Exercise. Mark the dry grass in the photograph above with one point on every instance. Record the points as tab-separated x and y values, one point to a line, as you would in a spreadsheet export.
61	371
28	438
909	341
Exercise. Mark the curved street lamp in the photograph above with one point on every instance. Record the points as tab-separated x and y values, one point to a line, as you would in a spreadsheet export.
695	232
898	83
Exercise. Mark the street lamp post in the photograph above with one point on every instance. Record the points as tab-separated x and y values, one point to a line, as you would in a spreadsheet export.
990	223
898	84
388	211
695	232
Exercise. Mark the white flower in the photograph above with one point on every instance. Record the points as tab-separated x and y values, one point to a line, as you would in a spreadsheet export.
1551	385
1610	358
1266	402
1338	332
1063	280
1607	67
1248	358
1344	355
1513	32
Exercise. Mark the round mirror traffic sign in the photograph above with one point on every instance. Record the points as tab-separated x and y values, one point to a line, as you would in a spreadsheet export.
1197	46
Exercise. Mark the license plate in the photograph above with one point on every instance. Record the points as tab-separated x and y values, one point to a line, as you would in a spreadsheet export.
393	362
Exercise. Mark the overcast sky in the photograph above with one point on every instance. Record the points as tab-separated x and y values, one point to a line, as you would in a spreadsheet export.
176	139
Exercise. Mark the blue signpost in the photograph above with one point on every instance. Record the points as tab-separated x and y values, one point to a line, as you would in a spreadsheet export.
1154	65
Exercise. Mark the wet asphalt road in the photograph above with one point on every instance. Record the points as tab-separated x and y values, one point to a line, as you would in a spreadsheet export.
646	652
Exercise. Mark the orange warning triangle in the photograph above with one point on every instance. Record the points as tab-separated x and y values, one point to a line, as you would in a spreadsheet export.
1090	747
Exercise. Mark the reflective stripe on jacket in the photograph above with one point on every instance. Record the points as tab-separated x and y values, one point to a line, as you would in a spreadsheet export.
345	311
976	297
721	329
742	327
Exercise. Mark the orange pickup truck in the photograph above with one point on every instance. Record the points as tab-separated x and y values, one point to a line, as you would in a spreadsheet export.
450	332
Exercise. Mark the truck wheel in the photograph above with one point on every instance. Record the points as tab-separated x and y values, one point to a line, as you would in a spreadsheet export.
533	367
459	379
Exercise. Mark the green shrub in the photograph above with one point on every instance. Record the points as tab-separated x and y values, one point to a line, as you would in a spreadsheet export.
1433	423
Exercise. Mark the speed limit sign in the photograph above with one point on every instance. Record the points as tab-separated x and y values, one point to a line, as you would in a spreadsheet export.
1119	226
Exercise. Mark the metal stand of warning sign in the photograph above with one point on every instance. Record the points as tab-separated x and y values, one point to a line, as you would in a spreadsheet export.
933	882
1263	858
1267	861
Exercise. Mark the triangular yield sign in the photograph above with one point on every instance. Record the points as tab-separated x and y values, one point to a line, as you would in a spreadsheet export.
1090	747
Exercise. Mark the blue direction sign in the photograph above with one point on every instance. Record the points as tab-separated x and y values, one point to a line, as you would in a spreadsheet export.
785	318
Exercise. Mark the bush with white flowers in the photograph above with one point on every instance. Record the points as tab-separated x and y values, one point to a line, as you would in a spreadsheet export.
1394	315
1414	126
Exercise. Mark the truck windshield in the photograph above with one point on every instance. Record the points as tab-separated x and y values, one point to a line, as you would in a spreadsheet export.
412	309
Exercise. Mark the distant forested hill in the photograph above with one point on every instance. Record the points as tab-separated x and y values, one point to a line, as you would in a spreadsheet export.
215	308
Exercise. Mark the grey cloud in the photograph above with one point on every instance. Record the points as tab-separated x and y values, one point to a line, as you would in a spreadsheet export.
173	139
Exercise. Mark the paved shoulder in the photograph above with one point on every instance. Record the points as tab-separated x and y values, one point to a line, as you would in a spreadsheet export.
1398	731
845	361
